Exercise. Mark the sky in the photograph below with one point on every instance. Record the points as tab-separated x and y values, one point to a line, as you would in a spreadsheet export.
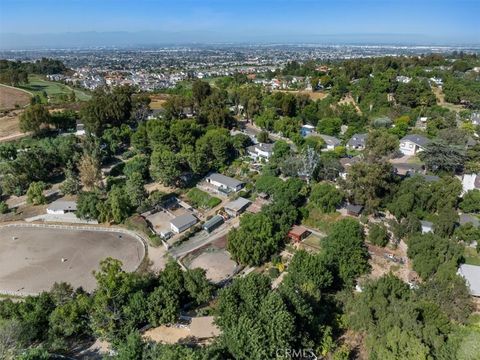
46	22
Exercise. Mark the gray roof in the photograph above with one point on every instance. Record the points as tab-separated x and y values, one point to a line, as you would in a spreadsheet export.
466	219
262	147
350	161
183	220
238	204
426	223
63	205
225	180
217	219
265	147
416	139
330	140
354	208
430	178
471	273
357	140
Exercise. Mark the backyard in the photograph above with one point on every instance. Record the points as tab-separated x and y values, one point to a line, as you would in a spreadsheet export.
200	199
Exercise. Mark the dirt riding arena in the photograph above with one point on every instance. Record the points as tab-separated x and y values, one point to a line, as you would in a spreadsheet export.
32	259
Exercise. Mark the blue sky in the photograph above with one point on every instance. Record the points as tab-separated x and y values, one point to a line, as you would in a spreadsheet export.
423	21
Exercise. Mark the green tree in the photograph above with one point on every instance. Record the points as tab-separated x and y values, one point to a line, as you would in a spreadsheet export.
378	235
88	204
446	222
429	251
369	183
119	204
471	201
380	144
439	156
35	193
135	189
165	166
325	197
345	251
33	118
254	241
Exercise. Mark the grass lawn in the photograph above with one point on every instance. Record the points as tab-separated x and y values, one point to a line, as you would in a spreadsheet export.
320	221
313	241
200	199
472	257
37	85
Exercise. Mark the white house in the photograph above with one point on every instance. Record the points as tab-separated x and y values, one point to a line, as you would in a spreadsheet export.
182	223
471	274
413	144
260	151
470	182
224	183
331	142
403	79
475	117
427	226
79	128
61	207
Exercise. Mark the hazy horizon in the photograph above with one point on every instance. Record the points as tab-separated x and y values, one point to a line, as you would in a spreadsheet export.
73	23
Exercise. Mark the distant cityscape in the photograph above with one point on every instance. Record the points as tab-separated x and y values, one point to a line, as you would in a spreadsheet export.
153	69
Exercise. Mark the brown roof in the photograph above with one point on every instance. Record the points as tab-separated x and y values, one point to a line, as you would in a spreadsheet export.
297	230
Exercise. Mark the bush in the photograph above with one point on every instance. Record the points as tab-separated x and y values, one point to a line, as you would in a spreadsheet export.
35	193
378	235
3	207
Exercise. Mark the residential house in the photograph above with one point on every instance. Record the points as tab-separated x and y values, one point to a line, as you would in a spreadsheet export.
469	219
260	151
406	169
346	163
470	182
236	207
213	223
471	274
182	223
61	207
224	183
437	81
354	210
79	128
357	142
421	123
403	79
475	118
298	233
427	226
331	142
307	129
413	144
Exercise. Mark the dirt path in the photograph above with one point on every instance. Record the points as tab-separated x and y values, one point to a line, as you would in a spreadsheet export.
441	100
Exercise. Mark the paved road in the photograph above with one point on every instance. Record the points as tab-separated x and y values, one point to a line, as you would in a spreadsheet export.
202	239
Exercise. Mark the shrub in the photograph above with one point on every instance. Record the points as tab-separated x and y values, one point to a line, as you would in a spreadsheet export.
378	235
